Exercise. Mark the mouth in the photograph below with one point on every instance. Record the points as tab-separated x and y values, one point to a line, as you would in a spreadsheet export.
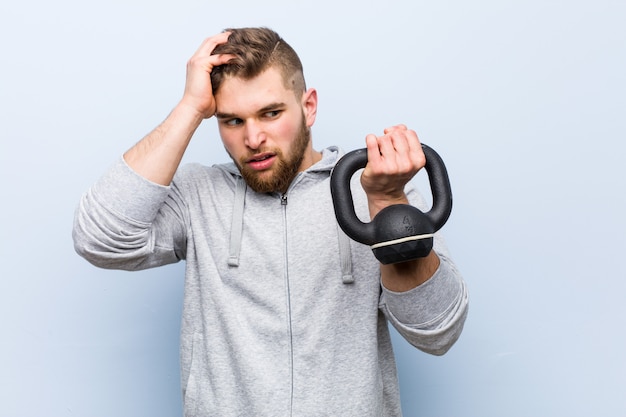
261	161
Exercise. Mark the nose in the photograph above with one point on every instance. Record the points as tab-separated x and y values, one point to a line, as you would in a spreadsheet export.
255	135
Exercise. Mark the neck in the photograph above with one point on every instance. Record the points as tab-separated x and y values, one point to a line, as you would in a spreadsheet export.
311	158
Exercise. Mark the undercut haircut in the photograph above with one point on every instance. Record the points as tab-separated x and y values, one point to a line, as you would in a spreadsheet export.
255	51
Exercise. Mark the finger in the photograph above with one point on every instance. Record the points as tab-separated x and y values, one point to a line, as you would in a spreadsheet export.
400	141
204	65
209	44
202	58
385	143
205	58
388	152
400	153
220	59
400	127
373	151
415	152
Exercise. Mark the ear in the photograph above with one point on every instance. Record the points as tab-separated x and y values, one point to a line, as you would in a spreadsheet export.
309	106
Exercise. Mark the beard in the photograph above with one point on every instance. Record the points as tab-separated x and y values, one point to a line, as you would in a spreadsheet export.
284	169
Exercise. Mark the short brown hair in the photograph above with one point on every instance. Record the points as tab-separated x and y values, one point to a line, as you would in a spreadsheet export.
256	50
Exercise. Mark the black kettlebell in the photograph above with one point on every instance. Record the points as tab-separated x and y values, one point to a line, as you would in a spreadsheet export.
400	232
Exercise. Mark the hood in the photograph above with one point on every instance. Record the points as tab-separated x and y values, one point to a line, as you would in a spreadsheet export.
330	156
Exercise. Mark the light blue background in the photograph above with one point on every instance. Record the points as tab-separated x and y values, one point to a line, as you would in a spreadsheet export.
525	100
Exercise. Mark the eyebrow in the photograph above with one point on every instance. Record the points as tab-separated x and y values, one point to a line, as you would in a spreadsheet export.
269	107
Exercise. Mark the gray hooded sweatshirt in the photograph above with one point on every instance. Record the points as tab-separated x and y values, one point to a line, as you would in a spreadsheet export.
283	315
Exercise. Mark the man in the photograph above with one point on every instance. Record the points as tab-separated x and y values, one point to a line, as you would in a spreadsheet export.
283	315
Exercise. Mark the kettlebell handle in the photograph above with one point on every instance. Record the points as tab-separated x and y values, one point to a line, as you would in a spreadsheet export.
366	232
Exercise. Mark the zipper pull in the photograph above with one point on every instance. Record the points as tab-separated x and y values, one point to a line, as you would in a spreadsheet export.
283	199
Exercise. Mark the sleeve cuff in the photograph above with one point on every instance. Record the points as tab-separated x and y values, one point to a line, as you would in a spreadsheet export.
424	306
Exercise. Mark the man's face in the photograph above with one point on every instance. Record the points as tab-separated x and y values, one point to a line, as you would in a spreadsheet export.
265	129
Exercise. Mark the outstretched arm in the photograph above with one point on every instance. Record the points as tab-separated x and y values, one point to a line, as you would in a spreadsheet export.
157	156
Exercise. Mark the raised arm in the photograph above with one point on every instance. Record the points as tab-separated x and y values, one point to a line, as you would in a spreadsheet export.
425	299
133	217
157	156
393	159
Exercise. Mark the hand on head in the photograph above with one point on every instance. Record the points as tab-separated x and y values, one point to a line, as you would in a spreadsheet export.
198	90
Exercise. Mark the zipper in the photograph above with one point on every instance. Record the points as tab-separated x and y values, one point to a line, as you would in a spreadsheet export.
283	203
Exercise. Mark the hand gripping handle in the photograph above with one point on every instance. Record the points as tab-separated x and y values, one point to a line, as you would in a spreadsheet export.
366	232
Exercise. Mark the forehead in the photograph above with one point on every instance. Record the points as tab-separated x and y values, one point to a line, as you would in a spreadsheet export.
238	95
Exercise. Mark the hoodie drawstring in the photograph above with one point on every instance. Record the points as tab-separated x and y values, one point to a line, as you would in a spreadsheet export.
345	257
236	232
236	228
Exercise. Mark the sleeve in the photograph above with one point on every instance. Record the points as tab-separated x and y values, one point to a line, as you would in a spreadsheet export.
127	222
430	316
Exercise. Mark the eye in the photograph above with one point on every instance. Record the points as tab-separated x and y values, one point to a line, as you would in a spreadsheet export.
272	114
233	122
